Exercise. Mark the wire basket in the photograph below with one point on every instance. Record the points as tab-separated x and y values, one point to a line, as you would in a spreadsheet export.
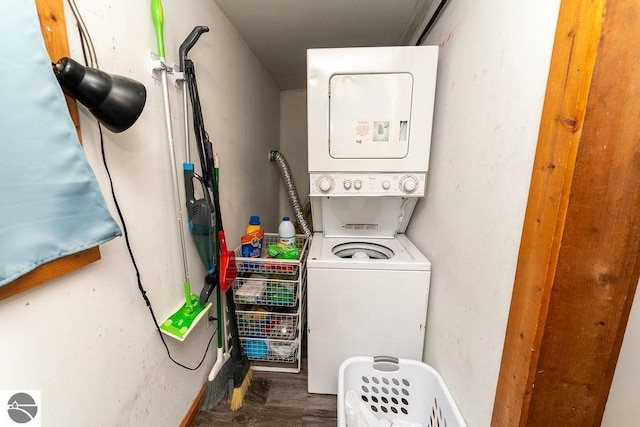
260	323
271	290
270	350
397	389
265	265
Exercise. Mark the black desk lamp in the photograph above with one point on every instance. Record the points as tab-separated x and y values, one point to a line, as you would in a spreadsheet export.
115	101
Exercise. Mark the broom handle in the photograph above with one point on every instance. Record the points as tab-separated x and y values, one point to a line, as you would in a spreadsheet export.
236	351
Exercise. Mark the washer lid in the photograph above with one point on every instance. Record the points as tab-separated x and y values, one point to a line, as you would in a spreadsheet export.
362	250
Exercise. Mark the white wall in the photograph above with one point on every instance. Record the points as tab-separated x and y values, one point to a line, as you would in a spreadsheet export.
492	73
623	405
293	145
87	339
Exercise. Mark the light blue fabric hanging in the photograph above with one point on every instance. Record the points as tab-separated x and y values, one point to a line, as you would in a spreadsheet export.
50	202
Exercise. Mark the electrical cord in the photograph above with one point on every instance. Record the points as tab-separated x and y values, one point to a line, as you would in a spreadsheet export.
87	44
84	34
143	292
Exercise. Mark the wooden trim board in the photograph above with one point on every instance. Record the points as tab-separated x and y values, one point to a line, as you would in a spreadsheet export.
54	31
49	271
578	264
194	410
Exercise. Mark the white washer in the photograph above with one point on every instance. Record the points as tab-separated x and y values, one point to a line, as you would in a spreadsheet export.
363	307
369	116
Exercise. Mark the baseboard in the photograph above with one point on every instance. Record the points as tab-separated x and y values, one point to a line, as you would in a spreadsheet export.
192	414
211	393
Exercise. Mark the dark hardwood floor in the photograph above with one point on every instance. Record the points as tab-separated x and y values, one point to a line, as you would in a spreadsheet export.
275	399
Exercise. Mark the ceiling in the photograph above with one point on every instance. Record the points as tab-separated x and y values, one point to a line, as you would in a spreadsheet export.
280	31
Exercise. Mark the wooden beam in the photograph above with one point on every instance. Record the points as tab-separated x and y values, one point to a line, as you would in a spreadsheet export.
49	271
54	32
578	265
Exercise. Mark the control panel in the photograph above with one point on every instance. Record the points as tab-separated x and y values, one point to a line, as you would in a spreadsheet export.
367	184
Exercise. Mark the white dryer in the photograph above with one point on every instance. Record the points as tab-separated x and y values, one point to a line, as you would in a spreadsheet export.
369	129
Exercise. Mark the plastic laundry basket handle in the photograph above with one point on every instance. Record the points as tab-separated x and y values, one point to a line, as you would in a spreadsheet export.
388	359
386	363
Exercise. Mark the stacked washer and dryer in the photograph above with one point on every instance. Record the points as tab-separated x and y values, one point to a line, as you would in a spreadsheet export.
369	133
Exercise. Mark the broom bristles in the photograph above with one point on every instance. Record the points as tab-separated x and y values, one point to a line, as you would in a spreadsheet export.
237	398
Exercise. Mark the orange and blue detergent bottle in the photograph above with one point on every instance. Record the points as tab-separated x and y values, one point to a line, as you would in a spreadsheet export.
253	240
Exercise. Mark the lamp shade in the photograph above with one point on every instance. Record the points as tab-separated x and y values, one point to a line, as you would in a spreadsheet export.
115	101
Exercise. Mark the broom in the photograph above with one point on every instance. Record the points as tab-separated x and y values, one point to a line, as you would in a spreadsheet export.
242	372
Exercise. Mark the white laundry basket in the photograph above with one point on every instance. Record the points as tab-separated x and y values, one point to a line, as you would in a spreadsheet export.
398	389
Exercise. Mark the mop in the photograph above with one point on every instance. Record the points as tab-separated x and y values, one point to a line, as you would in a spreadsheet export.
182	321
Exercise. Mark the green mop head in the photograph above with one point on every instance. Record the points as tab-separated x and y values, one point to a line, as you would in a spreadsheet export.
180	323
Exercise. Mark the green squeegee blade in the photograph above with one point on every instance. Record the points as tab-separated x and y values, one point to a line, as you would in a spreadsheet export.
180	323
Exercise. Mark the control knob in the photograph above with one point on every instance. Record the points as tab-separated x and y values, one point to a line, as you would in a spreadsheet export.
325	183
409	184
357	184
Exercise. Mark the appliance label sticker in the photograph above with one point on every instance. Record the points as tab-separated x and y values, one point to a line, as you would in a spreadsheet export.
403	130
362	131
360	226
381	131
